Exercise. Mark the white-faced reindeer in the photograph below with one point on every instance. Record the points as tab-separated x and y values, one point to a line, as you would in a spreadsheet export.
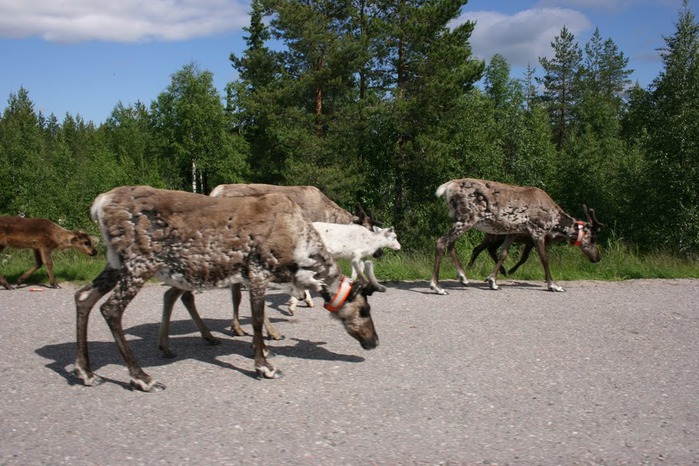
193	242
43	236
502	209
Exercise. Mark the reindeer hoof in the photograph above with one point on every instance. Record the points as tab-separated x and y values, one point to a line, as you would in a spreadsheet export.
438	290
167	354
265	372
213	341
89	379
148	387
554	287
492	284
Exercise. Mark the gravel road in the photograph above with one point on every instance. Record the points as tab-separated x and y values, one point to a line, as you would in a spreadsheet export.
605	373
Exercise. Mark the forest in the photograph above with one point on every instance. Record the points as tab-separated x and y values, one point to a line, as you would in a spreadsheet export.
380	102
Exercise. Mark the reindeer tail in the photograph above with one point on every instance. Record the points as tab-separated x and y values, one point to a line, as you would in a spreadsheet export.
442	189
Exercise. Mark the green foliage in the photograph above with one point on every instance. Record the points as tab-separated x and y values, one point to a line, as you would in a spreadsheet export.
377	102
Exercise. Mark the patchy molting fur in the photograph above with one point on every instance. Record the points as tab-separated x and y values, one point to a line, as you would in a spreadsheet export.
195	242
316	207
502	209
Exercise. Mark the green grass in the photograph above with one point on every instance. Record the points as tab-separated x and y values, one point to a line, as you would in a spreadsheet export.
567	263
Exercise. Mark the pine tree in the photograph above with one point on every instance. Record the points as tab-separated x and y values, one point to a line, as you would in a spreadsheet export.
673	147
560	82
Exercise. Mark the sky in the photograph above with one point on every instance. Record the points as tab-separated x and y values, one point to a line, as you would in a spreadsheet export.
83	57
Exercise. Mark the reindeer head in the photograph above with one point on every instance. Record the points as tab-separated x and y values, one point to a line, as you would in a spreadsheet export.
351	307
83	242
587	235
365	219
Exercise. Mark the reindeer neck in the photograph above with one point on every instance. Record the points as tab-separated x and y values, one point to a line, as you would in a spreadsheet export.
570	228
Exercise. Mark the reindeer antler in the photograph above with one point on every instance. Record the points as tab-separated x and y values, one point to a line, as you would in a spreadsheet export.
592	218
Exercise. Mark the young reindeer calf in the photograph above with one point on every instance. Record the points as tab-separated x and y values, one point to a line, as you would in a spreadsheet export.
193	242
43	236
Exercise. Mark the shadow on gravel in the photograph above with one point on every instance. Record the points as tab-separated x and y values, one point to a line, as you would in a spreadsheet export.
147	353
423	287
188	346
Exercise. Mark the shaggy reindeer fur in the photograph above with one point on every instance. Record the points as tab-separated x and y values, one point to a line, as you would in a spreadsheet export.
502	209
192	242
316	206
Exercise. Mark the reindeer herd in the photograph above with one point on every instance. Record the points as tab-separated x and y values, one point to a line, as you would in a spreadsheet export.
261	235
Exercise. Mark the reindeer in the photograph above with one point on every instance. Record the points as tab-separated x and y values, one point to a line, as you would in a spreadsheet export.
316	206
342	241
192	242
502	209
493	242
42	236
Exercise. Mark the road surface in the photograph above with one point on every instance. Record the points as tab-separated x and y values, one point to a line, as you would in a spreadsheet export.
605	373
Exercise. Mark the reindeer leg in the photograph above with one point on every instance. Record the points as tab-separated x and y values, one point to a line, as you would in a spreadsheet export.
48	262
475	253
113	311
3	280
263	368
4	283
541	249
444	243
293	303
169	299
188	301
492	278
493	251
85	299
236	297
523	258
308	299
38	262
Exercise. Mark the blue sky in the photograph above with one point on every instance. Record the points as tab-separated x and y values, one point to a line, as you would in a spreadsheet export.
83	57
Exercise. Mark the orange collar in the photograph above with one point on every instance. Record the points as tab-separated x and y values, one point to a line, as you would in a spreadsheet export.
581	233
340	297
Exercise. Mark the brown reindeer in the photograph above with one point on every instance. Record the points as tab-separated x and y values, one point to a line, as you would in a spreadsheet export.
316	207
194	242
42	236
502	209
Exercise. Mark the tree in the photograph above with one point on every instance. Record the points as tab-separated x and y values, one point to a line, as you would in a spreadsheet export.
190	123
560	81
21	154
673	139
128	136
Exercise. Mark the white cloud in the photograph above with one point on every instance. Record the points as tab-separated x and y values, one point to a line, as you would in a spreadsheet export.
120	21
524	36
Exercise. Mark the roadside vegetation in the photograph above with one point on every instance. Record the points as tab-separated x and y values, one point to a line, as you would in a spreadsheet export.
567	263
380	103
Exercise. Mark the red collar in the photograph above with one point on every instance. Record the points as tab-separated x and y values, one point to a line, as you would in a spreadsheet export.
581	233
340	297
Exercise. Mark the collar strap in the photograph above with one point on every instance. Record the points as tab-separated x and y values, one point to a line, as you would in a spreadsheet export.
580	225
340	297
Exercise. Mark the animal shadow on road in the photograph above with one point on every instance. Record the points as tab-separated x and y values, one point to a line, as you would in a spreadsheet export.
187	344
423	287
